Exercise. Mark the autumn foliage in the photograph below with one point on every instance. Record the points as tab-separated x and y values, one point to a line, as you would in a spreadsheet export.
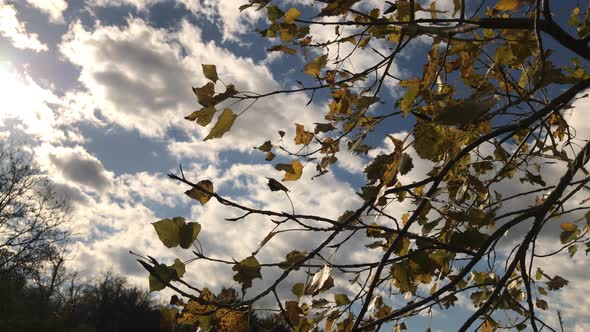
486	109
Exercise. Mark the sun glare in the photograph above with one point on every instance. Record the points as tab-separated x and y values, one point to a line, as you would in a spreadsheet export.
25	101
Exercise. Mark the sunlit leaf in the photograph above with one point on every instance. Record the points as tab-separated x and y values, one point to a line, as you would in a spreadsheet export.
168	230
293	171
511	4
568	226
223	125
210	72
201	195
341	299
291	15
318	281
302	136
313	68
411	94
246	271
203	116
337	7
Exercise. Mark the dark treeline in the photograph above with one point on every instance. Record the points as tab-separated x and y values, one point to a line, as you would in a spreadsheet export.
107	303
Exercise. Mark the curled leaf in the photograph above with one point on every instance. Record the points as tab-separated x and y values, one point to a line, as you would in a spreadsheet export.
275	185
205	94
200	195
292	172
318	280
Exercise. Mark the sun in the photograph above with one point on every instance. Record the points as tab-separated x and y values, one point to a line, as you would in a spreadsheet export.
26	104
14	91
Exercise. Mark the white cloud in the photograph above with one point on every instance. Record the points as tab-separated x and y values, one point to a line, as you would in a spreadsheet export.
15	31
140	78
53	8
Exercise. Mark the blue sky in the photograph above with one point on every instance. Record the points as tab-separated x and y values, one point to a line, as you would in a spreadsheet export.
97	91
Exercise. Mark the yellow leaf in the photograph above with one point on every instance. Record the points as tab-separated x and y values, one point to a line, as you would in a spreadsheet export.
292	172
313	68
410	96
223	125
291	15
510	4
302	136
504	56
203	116
405	218
282	48
568	226
288	31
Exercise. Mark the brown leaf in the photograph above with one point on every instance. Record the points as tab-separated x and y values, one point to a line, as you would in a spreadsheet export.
200	195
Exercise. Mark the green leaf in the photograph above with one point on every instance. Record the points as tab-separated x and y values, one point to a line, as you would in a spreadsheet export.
210	72
179	267
188	234
411	94
465	111
341	299
200	195
292	258
274	13
247	270
223	125
504	56
297	289
168	230
162	274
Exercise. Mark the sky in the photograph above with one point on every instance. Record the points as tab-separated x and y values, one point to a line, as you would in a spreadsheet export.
97	91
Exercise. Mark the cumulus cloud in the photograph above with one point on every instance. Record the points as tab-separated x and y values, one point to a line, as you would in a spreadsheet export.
15	31
77	165
53	8
139	77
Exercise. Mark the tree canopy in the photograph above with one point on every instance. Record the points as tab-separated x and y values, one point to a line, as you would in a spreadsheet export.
484	111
